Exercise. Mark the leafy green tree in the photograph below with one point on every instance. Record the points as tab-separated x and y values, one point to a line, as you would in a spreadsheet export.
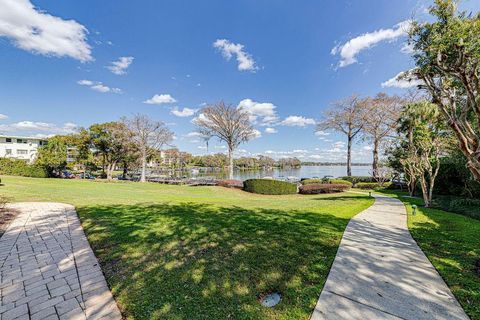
52	157
112	141
447	56
425	140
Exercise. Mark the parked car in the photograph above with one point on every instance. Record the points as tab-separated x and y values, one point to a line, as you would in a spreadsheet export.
84	175
67	174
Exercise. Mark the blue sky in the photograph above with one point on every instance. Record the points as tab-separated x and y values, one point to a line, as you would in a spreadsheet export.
286	60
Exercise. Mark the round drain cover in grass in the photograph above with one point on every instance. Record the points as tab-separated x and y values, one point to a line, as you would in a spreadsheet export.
271	300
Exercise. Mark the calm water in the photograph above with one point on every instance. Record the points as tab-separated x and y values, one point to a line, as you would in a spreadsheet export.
303	172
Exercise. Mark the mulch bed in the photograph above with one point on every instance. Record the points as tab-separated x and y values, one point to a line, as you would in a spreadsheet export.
6	216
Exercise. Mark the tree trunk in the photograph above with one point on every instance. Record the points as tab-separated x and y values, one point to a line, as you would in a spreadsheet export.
110	168
230	163
125	170
143	177
426	194
349	155
375	159
412	186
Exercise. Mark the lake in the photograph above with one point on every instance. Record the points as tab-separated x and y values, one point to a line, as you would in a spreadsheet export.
302	172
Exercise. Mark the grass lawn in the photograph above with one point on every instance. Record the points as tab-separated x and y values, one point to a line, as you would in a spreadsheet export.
178	252
452	243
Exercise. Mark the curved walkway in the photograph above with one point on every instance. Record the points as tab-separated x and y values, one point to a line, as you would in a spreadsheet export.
48	270
381	273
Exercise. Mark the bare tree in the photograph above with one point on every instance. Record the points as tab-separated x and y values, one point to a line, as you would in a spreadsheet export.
383	112
147	135
229	124
345	116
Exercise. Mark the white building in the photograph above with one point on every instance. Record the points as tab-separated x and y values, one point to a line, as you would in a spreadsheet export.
23	148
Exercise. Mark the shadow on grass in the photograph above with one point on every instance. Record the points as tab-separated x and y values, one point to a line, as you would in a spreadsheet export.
198	261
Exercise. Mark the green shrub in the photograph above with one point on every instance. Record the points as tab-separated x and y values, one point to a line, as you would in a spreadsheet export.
372	185
311	181
269	186
341	181
322	188
357	179
14	167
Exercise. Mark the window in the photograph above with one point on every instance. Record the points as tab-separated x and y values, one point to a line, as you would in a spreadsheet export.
19	152
9	140
21	140
8	152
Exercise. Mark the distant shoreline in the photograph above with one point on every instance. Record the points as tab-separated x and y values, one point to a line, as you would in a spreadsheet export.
327	164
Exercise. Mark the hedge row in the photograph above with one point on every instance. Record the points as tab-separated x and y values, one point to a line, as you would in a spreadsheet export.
323	181
14	167
371	185
322	188
311	181
357	179
269	186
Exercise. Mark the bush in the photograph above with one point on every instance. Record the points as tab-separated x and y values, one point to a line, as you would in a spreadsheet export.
311	181
269	186
14	167
230	183
322	188
357	179
372	185
341	181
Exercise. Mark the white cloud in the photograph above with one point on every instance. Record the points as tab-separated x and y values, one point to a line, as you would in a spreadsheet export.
322	133
263	111
407	48
3	117
39	32
194	134
229	49
120	66
297	121
35	127
98	86
85	82
160	99
186	112
256	134
349	50
270	130
403	80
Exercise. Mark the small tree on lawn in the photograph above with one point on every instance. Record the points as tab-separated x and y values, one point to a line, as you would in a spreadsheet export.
53	156
111	141
147	135
229	124
426	141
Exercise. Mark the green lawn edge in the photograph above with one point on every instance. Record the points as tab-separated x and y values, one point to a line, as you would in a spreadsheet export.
236	245
451	242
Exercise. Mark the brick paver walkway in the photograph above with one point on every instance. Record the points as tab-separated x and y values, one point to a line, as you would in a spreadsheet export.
48	270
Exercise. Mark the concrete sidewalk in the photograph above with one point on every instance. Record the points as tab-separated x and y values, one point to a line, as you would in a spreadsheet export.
48	270
381	273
